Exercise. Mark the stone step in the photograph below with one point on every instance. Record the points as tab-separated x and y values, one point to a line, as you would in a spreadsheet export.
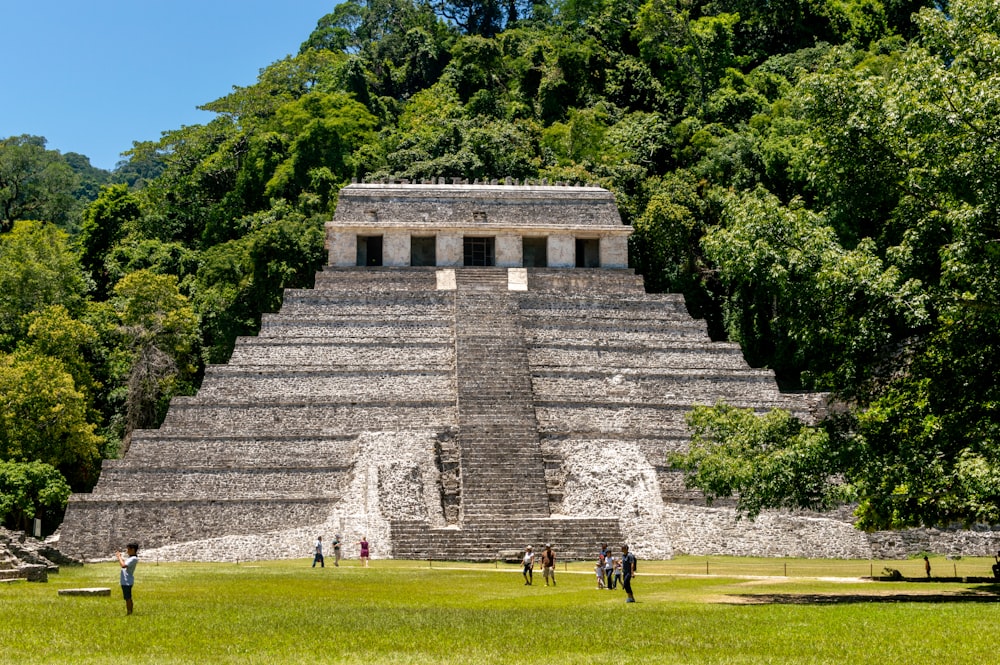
153	449
212	482
96	526
344	353
495	539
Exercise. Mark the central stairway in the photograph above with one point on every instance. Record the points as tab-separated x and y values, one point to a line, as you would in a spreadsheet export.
503	474
503	496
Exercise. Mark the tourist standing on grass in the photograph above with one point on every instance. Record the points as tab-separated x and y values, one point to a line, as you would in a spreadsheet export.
336	549
628	572
927	567
618	572
528	564
609	570
599	570
549	565
318	556
127	576
364	551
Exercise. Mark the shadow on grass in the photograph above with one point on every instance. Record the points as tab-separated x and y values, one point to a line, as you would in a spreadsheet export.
984	594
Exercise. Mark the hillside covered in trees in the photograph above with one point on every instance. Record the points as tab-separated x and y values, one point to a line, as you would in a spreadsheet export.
818	177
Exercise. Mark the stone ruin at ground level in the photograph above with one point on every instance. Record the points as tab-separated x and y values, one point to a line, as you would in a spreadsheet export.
476	369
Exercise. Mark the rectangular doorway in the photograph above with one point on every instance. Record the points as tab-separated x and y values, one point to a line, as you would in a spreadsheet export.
588	253
478	251
423	250
369	250
534	252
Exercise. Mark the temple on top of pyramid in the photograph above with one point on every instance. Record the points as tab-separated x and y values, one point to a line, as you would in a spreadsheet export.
507	226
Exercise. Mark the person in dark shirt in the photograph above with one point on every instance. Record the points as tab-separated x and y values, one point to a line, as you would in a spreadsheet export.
628	572
549	565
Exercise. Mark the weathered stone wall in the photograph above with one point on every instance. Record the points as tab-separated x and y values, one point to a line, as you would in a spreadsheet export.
500	207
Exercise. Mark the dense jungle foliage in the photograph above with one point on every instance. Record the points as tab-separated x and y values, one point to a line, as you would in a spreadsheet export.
818	177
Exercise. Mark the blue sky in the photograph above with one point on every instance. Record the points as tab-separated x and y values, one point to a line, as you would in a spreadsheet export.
94	76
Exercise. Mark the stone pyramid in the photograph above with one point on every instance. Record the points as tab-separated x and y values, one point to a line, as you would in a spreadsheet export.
508	382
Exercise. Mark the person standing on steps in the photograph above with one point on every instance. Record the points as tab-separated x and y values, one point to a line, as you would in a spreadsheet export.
127	576
364	551
336	550
528	563
549	565
318	556
628	572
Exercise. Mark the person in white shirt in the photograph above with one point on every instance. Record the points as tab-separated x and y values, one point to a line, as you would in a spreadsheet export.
529	564
127	577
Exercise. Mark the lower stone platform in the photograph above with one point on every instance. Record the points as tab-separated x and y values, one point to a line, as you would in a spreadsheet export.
573	539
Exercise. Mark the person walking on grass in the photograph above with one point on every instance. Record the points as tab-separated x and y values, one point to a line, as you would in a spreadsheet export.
528	565
628	572
318	556
336	550
364	551
127	575
927	567
549	565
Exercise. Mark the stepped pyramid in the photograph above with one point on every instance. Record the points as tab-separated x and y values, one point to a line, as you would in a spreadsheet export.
476	369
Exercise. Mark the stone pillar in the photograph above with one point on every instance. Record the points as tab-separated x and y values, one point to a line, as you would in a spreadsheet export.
508	251
343	249
445	280
562	251
449	250
614	251
396	248
517	279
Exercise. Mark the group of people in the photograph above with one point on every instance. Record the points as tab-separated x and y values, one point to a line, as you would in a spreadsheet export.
548	565
611	570
318	551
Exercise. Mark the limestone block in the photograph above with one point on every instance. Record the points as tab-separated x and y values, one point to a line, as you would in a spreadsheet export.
561	251
517	279
446	280
395	249
343	248
614	251
449	249
86	591
508	251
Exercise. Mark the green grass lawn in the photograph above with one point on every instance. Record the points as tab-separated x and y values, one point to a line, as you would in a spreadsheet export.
745	611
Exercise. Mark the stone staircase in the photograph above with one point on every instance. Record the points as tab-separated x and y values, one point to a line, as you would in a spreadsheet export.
506	488
503	474
497	539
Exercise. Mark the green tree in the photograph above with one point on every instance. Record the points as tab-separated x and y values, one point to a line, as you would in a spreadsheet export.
105	222
44	415
35	183
322	132
158	331
888	293
37	269
52	332
28	490
765	461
